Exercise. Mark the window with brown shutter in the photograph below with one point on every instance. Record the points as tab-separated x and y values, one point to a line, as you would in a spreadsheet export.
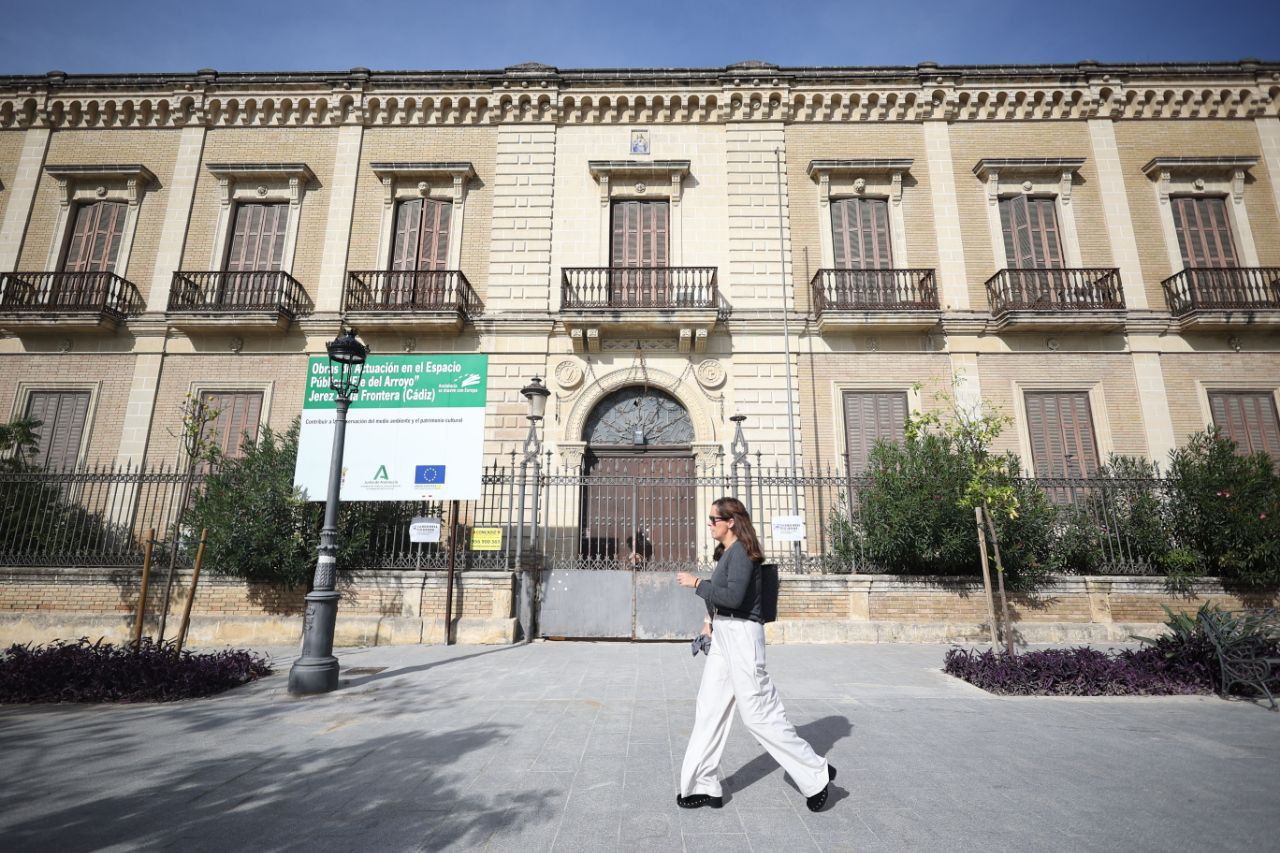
1249	419
95	237
62	420
1060	424
257	241
860	234
236	425
1030	232
1204	231
422	235
871	416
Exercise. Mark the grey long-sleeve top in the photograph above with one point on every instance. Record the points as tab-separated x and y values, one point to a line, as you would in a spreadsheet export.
734	585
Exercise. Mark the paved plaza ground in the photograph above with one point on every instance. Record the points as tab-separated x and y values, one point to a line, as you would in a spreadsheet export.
576	746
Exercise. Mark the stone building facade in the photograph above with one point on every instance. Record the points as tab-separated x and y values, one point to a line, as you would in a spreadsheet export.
1093	248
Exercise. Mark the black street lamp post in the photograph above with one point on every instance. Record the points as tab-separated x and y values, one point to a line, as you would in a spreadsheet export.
535	394
317	670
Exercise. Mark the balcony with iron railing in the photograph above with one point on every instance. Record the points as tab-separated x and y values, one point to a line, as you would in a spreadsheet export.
627	300
1207	299
1048	299
409	299
230	300
31	301
887	299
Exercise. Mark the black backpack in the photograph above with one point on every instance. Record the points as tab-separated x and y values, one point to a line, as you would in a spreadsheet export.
769	592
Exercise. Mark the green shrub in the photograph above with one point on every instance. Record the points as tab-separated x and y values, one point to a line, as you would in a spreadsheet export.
259	527
1224	508
914	521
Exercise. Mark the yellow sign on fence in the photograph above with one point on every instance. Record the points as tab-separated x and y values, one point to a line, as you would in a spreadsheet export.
486	539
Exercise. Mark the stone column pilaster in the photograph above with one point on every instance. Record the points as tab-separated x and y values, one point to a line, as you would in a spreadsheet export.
177	216
22	195
953	284
1115	209
337	235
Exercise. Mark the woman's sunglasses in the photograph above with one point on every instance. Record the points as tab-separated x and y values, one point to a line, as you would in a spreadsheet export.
714	518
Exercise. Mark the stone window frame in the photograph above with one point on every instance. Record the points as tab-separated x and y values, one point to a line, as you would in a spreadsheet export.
1204	386
22	400
877	178
258	183
197	387
641	180
915	405
78	184
1051	177
1097	411
444	181
1222	177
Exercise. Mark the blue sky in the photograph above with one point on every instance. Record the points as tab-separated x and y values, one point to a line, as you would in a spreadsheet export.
260	35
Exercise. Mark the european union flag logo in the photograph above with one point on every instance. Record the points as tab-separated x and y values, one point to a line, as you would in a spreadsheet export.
428	475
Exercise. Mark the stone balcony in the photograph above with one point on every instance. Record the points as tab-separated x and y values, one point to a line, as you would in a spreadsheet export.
66	301
257	299
1215	299
1056	300
630	301
409	300
886	299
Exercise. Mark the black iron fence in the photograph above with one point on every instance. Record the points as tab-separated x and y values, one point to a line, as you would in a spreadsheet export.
531	514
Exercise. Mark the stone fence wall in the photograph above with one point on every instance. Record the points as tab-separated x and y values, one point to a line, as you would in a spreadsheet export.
397	607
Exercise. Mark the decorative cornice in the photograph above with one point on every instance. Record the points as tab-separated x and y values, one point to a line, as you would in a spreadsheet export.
860	165
456	173
752	91
135	178
1026	166
1222	165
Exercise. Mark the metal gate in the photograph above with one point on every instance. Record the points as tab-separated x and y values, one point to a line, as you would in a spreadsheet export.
615	538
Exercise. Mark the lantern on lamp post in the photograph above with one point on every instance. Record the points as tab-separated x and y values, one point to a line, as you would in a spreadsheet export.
316	671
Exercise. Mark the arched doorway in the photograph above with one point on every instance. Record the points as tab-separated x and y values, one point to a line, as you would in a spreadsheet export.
638	501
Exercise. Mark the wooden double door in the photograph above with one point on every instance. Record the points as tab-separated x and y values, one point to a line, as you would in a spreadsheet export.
639	508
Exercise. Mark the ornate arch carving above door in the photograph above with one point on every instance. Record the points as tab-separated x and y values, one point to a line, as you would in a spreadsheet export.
638	417
682	390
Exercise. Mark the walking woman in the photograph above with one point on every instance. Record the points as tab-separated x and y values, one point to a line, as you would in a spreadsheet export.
735	673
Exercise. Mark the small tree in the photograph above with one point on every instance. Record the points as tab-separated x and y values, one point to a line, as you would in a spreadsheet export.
18	444
260	528
1225	509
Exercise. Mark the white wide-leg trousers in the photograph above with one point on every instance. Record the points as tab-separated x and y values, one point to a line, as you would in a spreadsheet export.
735	676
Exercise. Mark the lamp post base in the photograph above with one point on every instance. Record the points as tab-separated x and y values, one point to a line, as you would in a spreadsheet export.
317	670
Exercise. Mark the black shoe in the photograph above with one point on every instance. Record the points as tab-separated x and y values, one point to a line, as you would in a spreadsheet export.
697	801
818	800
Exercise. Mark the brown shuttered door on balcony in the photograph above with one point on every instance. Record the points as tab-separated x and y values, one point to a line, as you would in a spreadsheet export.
1204	231
62	415
237	422
1030	233
422	235
870	416
639	243
95	237
257	245
1062	440
1249	419
860	234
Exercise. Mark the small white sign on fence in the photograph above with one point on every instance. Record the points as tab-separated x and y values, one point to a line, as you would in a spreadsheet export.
424	529
788	528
